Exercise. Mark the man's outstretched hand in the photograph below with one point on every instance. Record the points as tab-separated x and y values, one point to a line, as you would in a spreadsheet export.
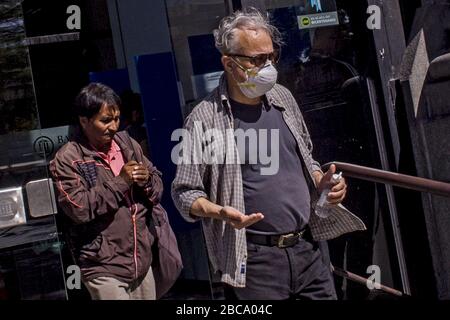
237	219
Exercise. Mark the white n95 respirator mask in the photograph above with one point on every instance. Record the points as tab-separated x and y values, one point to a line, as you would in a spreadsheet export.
258	82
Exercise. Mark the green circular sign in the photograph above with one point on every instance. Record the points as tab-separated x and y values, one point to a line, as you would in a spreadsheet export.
306	21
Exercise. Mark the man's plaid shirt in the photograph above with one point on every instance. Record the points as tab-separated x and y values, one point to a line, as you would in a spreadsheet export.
221	183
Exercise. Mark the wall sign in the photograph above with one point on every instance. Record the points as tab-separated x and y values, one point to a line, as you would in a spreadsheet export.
318	13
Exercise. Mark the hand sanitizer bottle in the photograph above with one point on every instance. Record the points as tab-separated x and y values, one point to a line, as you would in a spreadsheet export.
322	209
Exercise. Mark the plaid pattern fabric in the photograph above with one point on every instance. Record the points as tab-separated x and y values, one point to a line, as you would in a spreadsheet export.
89	172
221	183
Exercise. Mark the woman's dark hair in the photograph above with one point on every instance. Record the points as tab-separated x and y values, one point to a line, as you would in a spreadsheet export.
92	97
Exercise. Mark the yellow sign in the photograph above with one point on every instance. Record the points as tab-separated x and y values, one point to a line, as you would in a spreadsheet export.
306	21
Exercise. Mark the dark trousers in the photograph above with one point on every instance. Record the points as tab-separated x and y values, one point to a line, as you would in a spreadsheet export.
297	272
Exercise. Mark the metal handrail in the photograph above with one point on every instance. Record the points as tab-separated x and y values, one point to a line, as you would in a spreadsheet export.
392	178
364	281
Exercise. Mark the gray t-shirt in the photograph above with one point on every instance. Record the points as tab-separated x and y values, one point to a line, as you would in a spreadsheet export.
283	197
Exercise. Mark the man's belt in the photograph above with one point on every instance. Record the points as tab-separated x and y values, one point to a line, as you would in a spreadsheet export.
279	240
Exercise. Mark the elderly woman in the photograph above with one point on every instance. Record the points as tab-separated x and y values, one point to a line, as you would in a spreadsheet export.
107	188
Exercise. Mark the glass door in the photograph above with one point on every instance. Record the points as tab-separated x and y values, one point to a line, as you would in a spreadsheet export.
30	249
198	69
327	63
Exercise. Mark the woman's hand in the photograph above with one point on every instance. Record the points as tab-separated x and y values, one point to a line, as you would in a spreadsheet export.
140	174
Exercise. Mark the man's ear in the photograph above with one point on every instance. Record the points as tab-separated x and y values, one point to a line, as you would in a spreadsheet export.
227	64
83	121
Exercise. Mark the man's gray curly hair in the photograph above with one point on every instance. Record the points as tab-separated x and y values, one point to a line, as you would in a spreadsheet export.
250	19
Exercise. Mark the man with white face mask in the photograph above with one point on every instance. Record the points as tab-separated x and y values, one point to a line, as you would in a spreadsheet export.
261	230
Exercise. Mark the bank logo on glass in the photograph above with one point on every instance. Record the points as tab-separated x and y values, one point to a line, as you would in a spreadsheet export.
306	21
43	146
